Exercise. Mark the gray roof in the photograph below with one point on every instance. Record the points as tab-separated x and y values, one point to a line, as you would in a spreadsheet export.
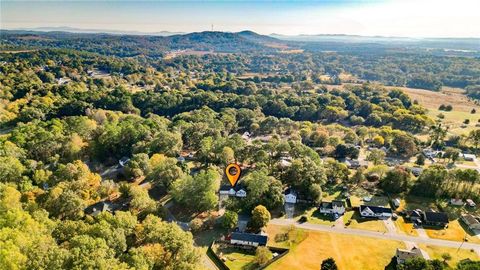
376	209
250	237
330	205
97	208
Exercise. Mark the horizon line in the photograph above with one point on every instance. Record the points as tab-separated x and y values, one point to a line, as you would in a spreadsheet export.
75	30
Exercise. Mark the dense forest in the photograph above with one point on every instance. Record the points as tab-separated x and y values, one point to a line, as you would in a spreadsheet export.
399	65
72	106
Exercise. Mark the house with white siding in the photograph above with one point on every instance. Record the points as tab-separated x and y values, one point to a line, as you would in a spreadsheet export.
248	239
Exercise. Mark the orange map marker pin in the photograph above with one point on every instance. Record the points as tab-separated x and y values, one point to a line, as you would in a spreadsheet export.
233	173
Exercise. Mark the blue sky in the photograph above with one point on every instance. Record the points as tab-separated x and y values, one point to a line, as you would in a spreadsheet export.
419	18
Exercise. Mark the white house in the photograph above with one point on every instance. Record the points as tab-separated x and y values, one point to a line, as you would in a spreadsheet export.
241	193
457	202
471	203
331	208
375	212
290	196
248	239
229	191
469	157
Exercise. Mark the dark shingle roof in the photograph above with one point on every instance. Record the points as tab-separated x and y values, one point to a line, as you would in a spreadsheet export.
376	209
436	217
329	205
228	187
251	237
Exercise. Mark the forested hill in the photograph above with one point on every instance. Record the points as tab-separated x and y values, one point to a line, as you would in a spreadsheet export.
132	45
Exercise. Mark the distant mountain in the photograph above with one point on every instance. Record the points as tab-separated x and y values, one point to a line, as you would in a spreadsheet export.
151	45
356	42
250	35
98	31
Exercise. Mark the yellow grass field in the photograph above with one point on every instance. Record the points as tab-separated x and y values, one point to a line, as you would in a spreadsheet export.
349	252
462	106
435	252
454	232
405	227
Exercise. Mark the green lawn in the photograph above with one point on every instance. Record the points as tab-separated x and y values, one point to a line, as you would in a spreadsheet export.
237	259
316	217
357	222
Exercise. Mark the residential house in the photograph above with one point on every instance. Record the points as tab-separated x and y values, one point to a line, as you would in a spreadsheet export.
415	215
98	208
439	219
355	163
379	212
416	171
468	157
290	196
471	221
123	161
335	207
396	202
403	254
471	203
284	163
235	191
248	239
457	202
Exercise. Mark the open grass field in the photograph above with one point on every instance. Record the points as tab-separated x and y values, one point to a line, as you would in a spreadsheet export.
454	232
462	106
435	252
349	252
357	222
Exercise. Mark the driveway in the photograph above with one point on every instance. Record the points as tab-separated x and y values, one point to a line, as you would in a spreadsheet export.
422	233
390	225
289	210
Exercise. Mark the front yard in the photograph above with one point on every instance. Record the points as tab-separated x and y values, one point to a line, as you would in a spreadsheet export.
454	232
352	219
405	227
435	252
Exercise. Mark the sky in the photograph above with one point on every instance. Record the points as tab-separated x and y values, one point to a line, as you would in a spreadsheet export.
403	18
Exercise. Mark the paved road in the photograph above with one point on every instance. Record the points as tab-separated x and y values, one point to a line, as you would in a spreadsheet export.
387	236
